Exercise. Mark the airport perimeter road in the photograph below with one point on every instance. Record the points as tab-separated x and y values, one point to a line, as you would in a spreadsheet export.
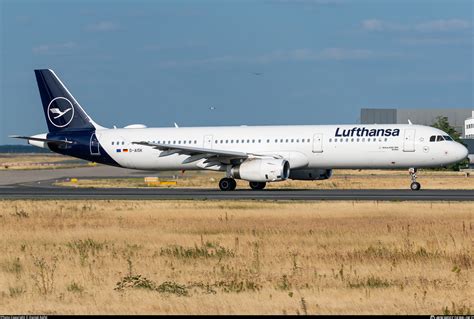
26	192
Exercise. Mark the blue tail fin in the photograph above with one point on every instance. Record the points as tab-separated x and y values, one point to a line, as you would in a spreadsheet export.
62	111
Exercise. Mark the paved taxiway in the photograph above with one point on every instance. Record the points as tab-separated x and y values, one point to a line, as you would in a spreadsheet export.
30	192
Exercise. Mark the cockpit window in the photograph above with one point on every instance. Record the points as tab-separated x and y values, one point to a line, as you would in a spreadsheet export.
433	138
439	138
447	138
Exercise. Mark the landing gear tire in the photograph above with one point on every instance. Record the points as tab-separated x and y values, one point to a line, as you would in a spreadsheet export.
227	184
415	186
257	185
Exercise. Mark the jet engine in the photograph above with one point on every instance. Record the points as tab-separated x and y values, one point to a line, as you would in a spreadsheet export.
262	170
311	174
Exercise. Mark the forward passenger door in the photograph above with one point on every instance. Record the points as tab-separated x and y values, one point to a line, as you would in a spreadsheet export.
409	140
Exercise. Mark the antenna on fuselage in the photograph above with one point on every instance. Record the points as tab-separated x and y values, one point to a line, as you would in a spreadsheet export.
409	122
176	125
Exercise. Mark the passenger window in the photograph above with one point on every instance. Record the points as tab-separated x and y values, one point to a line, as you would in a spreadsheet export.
253	141
268	141
236	141
439	138
330	140
248	141
276	141
112	143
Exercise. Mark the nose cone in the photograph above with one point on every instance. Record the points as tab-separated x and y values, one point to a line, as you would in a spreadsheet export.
461	152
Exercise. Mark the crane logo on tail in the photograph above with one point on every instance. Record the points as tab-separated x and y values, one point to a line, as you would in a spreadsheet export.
60	112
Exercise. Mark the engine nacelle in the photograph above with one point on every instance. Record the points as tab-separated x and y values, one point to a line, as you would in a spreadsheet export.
311	174
262	170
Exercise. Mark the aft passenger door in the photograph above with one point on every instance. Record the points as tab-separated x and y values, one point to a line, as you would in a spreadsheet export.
318	143
409	140
94	145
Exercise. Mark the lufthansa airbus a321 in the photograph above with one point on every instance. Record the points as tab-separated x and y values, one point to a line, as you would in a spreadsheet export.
257	154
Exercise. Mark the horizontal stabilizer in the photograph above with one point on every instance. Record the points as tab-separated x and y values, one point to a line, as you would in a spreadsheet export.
41	139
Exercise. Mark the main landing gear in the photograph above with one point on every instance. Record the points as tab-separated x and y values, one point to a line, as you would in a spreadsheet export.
227	184
415	186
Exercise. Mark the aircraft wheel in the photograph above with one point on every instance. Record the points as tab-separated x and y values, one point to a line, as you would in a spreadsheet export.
227	184
415	186
257	185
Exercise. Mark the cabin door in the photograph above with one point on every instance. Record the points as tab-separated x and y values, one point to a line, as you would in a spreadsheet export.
318	143
208	141
94	145
409	140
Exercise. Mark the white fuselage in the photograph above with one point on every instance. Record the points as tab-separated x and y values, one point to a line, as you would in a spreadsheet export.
304	146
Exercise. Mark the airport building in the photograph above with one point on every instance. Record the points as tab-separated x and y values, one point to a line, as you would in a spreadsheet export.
461	119
456	117
469	127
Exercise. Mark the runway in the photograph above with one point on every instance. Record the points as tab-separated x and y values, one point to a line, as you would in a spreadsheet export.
57	193
38	184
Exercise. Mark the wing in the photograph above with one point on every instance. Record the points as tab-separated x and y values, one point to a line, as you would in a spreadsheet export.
198	153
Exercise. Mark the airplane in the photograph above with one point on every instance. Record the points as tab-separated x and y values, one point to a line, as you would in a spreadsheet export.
257	154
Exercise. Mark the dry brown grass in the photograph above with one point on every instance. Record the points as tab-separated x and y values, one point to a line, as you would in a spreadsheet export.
67	257
37	161
342	179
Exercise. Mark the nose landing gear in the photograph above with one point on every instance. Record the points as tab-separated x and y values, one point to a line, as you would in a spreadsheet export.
415	186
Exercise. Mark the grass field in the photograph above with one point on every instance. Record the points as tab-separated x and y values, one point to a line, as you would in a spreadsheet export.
198	257
342	179
38	161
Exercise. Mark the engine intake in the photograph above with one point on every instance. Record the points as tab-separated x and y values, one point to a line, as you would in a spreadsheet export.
262	170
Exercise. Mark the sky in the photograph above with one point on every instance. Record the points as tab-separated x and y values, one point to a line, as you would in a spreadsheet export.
205	63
